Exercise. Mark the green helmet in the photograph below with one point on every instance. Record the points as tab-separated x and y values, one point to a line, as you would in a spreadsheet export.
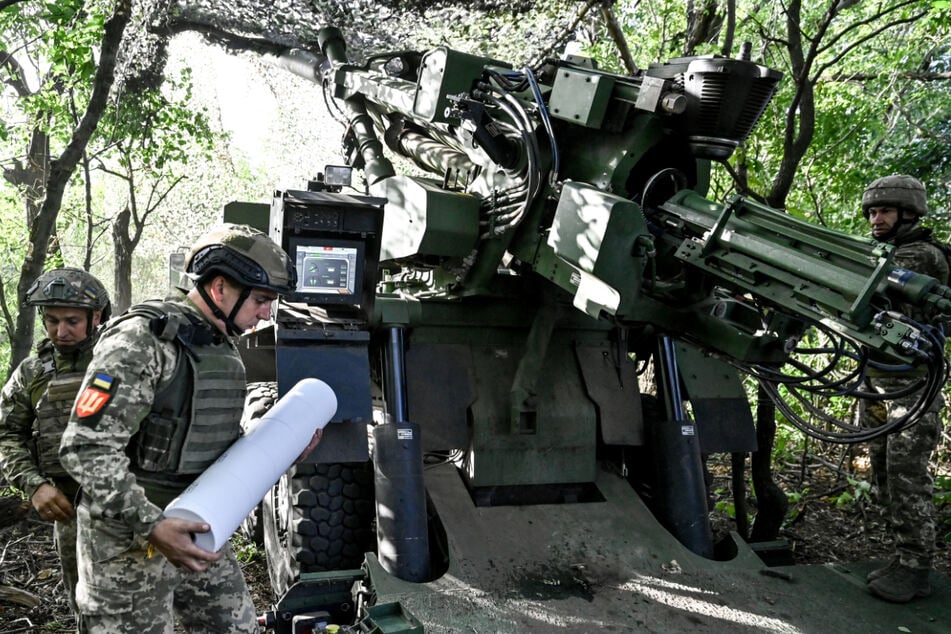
898	190
246	255
70	288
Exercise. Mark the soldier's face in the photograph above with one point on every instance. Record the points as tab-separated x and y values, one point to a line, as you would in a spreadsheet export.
68	326
882	219
257	307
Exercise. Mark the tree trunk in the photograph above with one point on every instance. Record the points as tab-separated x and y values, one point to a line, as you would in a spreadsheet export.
801	113
123	248
730	33
32	178
703	24
60	172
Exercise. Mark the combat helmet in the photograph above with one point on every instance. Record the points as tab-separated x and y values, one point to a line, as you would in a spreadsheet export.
246	255
69	288
898	190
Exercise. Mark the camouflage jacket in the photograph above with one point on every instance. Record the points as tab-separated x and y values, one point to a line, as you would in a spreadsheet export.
915	251
18	404
130	367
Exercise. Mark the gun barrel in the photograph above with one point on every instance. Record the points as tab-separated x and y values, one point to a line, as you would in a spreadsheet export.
302	63
794	263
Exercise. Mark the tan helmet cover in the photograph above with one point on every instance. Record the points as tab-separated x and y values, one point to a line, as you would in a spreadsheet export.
69	287
245	254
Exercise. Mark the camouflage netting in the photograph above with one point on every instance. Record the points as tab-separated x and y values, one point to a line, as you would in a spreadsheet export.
144	50
296	22
529	28
522	31
526	30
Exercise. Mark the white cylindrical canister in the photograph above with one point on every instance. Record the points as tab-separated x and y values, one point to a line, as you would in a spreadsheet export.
233	485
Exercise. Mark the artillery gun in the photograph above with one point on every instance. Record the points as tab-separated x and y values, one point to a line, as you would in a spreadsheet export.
486	315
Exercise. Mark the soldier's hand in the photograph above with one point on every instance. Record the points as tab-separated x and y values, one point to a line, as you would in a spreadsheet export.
314	441
173	538
52	504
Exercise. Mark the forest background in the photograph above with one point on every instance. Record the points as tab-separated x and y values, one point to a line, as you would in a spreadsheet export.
126	125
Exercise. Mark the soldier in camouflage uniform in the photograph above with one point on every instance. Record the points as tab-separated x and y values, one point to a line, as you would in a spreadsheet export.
161	401
37	399
894	205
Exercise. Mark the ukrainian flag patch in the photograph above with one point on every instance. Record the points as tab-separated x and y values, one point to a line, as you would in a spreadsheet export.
102	381
93	399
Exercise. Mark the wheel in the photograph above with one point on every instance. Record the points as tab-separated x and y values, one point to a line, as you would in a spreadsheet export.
318	517
252	528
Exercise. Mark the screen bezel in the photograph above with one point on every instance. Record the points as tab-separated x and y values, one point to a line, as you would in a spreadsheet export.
321	298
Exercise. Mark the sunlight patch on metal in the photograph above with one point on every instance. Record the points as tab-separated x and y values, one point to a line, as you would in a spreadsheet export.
540	612
671	594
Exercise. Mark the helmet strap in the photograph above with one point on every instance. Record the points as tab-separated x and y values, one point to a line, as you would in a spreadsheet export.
230	326
245	292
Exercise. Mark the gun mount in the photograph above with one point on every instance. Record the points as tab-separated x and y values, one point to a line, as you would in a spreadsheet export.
488	310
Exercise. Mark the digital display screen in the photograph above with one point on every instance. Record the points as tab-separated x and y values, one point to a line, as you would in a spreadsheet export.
329	270
326	269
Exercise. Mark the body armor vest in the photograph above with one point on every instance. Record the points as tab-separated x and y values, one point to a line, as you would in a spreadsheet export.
52	394
197	415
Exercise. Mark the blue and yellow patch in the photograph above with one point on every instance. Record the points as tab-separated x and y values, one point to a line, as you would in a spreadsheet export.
94	398
102	381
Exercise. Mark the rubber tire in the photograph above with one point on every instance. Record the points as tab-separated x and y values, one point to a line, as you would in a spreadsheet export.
317	517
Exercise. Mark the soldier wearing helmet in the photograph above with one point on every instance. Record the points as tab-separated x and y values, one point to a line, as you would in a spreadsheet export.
38	397
237	252
161	401
894	206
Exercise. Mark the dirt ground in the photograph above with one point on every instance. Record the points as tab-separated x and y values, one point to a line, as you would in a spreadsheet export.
832	518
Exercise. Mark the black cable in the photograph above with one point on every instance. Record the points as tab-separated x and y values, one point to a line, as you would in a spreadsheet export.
812	384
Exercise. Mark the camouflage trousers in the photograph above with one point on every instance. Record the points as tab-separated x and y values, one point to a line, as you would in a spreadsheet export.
124	589
901	474
64	537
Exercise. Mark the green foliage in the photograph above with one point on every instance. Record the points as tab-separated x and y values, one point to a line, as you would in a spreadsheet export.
875	112
140	148
57	42
884	121
158	127
860	491
788	444
942	490
244	550
797	502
